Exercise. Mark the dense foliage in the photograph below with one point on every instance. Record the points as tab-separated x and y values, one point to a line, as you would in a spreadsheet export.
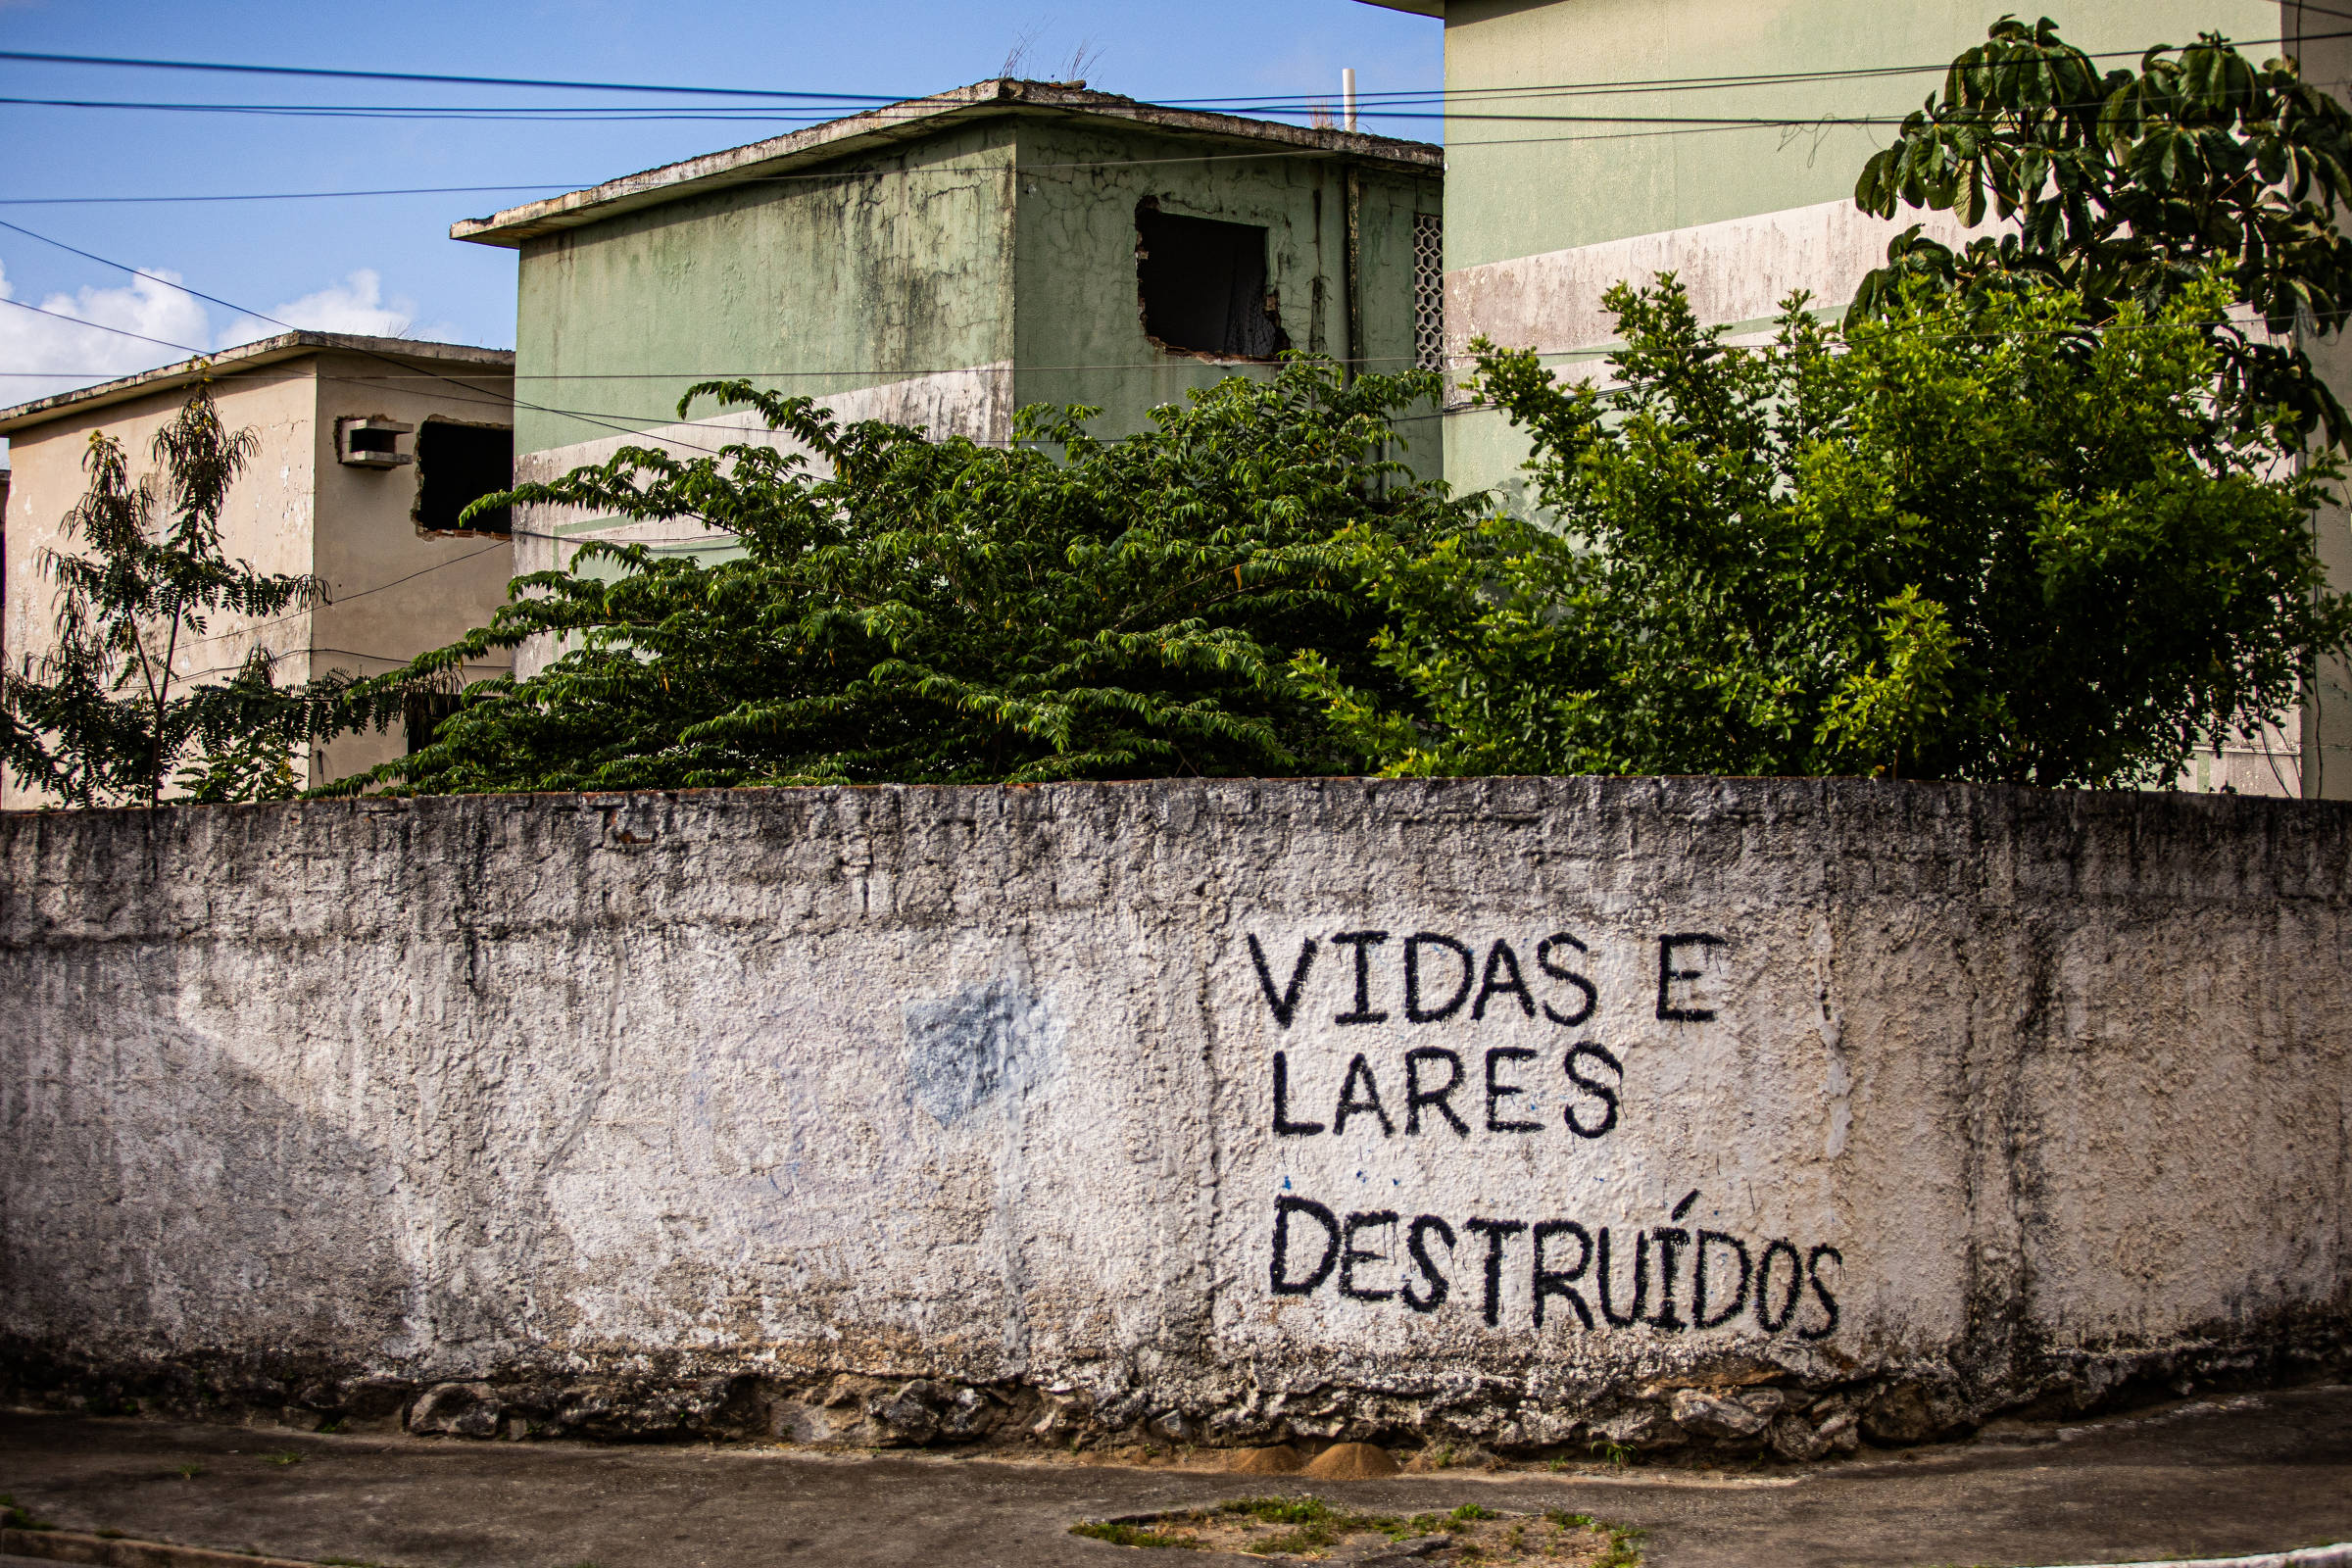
1950	541
108	715
2136	187
946	610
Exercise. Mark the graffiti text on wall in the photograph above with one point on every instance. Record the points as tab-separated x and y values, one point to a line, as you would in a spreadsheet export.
1439	978
1671	1278
1675	1279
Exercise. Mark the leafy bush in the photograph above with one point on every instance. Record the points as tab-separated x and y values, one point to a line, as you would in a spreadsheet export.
1985	542
943	610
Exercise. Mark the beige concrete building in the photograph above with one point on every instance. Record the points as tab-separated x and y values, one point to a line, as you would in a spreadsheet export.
369	450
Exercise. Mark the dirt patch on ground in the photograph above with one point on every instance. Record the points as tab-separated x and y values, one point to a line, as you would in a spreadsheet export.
1310	1529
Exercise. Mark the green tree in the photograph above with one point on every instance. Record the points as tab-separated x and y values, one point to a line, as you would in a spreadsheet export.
2135	187
944	610
106	716
1978	541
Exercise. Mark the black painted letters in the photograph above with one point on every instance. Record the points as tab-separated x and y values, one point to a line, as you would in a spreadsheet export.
1499	1091
1581	1059
1286	1005
1439	1098
1413	1010
1669	976
1284	1208
1363	941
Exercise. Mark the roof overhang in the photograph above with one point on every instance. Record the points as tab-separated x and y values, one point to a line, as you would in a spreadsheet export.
456	357
916	120
1419	8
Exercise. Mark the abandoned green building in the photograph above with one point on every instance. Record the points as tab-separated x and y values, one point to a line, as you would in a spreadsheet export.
946	260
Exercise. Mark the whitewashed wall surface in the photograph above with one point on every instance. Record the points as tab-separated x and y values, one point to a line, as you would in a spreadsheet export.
1531	1113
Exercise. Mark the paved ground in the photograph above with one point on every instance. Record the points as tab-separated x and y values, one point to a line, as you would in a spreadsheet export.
2202	1478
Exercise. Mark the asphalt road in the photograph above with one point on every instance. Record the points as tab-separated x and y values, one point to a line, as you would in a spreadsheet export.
2211	1476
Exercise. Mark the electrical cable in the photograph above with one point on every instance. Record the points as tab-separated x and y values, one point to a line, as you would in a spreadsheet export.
57	315
564	116
247	70
1305	101
274	196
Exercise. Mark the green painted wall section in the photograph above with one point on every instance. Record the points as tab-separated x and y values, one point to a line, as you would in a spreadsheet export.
1520	188
1080	323
2325	731
871	273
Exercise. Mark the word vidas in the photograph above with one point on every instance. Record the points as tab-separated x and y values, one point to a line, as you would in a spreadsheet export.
1669	1278
1494	985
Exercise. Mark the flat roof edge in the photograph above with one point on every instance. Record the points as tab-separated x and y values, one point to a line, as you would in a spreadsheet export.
908	121
244	357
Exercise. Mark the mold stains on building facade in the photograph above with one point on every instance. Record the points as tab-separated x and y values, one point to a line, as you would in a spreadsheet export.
1078	247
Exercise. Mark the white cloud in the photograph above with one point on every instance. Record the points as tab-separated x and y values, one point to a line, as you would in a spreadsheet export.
356	306
45	355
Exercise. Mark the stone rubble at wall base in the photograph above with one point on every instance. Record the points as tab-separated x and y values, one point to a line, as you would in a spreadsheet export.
1740	1411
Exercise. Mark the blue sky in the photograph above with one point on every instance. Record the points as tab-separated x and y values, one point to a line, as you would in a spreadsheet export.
385	263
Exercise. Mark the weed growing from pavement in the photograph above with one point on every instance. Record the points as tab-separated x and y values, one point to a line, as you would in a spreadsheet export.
1133	1535
1622	1552
14	1516
1311	1526
189	1472
284	1457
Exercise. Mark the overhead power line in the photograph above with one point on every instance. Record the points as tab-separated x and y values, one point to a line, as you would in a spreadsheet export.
243	69
1266	102
118	331
632	117
284	195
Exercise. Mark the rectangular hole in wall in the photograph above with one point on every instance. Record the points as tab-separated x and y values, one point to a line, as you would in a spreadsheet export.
457	465
422	714
1203	285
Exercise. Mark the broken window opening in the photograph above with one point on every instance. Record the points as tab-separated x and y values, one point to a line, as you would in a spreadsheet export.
422	715
457	465
1203	285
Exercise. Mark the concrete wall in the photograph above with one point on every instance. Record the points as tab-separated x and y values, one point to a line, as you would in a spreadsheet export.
1081	335
393	590
1224	1112
888	269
